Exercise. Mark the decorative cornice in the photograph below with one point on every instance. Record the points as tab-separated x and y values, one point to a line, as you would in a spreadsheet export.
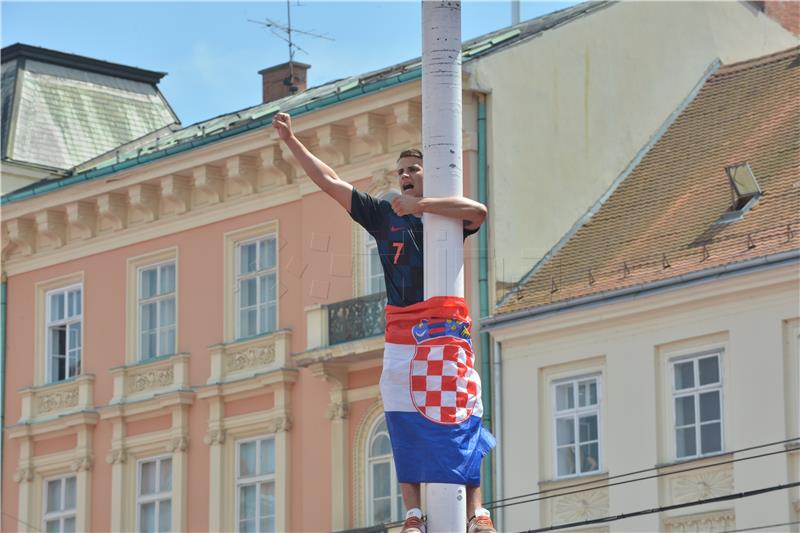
241	175
21	236
51	225
81	220
24	474
117	456
337	411
334	145
178	444
112	212
371	130
208	185
82	464
279	425
274	170
176	195
214	437
143	199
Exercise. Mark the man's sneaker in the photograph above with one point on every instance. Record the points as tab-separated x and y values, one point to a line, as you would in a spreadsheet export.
481	522
415	522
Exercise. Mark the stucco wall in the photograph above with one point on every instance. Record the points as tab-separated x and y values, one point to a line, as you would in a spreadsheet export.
570	109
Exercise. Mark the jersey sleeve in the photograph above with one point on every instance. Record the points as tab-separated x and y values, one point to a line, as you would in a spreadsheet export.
468	232
366	210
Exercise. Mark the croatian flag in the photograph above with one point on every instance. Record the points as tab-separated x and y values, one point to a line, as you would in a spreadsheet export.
432	393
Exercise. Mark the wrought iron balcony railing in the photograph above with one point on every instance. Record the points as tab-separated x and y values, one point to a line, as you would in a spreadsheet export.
355	319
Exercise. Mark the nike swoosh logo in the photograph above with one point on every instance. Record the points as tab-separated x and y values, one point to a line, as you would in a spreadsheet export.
394	228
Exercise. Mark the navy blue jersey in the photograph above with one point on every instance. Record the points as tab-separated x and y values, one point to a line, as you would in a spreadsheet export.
399	241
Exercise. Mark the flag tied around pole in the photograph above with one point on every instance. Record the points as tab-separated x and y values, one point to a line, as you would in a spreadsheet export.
432	393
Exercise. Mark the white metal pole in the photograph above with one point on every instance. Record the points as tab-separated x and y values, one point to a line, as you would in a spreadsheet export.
443	237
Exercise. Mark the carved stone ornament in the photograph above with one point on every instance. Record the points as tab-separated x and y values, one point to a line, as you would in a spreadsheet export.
178	444
81	464
278	425
250	358
58	400
24	474
214	436
337	411
706	522
150	379
119	455
703	485
582	506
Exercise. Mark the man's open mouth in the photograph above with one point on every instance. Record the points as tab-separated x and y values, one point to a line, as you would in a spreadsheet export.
408	186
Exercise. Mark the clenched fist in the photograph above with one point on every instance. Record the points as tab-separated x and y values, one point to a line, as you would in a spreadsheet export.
283	123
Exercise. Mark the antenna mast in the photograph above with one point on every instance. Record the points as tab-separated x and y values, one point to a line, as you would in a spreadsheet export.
284	32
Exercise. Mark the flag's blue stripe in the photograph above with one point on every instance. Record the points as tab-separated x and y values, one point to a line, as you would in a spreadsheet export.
425	451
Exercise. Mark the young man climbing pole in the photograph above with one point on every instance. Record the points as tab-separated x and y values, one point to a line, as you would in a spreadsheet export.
397	229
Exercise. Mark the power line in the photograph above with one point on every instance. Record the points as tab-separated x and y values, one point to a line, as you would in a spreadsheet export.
21	521
761	527
599	484
725	498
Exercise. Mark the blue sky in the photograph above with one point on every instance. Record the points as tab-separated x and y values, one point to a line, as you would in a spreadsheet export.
212	54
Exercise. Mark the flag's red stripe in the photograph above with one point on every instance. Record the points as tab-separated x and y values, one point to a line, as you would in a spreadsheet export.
400	320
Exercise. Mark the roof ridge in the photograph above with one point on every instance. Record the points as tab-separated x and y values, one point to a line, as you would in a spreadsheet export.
733	68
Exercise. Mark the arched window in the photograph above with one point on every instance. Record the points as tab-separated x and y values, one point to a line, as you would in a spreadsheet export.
384	501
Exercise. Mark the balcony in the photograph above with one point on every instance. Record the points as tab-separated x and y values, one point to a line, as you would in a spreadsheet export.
348	330
57	399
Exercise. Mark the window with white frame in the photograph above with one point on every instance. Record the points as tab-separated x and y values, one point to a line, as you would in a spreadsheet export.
384	501
255	485
157	306
64	337
59	505
256	287
373	271
576	419
154	495
697	401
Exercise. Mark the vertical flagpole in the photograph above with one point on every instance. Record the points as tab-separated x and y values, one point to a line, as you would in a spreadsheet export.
443	237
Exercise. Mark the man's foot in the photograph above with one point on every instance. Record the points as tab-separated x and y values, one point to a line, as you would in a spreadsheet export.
481	522
415	522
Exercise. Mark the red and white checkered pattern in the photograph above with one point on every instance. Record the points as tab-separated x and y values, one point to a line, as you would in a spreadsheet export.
444	384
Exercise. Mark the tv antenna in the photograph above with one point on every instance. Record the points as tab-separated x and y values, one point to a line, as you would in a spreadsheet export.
284	32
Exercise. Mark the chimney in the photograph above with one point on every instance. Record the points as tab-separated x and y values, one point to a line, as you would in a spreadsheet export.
277	82
786	13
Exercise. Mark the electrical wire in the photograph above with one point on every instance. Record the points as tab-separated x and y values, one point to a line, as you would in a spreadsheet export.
599	484
717	499
757	528
34	528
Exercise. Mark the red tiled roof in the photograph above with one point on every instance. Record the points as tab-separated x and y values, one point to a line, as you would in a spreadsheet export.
653	226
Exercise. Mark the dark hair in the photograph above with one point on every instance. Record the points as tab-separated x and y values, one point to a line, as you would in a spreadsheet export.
410	152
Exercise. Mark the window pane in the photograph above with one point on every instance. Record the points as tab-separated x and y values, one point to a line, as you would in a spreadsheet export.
267	499
58	340
709	406
69	493
267	250
269	282
149	314
381	479
711	438
147	517
167	278
167	342
587	393
684	375
566	461
52	526
268	317
380	446
267	456
167	317
165	476
74	303
381	510
590	458
268	524
69	525
247	258
248	323
588	428
248	295
74	340
57	306
565	431
148	346
247	502
685	442
54	495
564	397
73	363
247	459
148	478
149	287
165	515
684	410
708	369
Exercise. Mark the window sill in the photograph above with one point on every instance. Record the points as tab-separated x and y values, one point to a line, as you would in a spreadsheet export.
57	399
698	459
588	479
143	379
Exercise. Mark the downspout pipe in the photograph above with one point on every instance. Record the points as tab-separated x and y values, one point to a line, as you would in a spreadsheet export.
3	321
487	481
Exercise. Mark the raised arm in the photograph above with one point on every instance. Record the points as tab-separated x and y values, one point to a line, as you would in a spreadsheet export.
470	211
316	169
